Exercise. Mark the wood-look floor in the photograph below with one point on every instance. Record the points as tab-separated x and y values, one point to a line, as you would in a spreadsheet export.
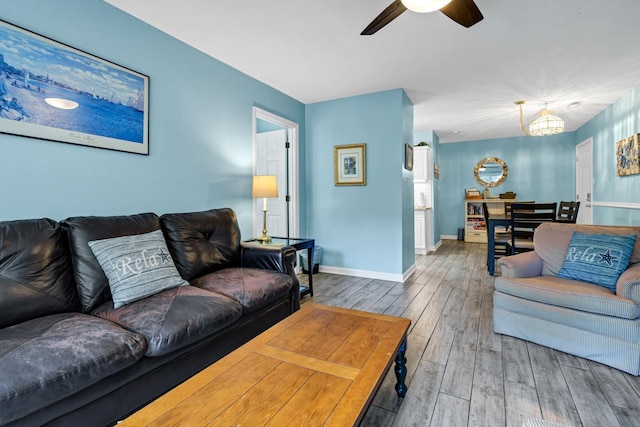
460	373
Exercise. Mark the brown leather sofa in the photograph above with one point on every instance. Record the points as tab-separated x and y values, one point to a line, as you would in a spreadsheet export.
68	357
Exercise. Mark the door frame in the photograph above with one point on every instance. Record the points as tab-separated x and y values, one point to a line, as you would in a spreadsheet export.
586	206
293	136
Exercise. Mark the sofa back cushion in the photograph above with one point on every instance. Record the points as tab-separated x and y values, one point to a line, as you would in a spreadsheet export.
202	242
35	273
91	281
551	241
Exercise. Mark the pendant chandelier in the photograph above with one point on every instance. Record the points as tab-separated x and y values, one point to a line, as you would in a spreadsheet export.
545	124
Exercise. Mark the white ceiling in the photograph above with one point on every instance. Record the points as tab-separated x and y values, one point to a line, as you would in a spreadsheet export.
459	80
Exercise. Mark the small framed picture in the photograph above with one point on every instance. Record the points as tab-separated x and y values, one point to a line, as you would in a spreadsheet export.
408	157
350	164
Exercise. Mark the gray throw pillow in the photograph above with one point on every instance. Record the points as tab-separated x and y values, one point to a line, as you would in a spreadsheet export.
137	266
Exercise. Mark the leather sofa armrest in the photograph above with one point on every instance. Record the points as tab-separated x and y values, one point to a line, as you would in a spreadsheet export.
628	285
278	258
525	264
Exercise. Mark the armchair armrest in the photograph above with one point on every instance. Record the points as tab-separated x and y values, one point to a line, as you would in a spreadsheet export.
628	284
525	264
278	258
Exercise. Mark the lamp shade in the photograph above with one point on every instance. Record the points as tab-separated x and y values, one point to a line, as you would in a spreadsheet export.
546	124
423	6
264	186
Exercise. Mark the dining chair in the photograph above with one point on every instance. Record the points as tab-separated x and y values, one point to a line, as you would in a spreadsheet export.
568	211
525	218
507	206
502	241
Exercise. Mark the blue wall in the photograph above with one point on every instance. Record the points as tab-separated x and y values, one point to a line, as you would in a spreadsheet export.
618	121
200	127
540	169
360	227
265	126
437	227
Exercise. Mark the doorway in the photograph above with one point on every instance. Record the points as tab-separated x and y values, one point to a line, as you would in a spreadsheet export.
275	152
584	180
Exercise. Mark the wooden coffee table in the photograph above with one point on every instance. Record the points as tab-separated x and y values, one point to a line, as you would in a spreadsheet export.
320	366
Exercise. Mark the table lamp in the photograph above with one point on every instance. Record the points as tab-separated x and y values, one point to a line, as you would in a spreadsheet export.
265	186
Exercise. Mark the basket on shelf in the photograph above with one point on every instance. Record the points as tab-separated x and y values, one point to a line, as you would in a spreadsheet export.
508	195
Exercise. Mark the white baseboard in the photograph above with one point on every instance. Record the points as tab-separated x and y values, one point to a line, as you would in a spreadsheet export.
409	272
392	277
448	237
438	244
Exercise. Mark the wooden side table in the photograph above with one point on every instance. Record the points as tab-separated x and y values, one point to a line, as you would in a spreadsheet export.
298	244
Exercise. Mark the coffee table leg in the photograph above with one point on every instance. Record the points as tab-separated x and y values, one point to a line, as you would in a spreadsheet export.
401	369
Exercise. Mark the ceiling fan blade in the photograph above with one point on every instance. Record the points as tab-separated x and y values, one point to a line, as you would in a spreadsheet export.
464	12
392	11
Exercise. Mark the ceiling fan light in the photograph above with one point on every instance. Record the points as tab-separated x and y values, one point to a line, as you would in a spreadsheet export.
546	124
423	6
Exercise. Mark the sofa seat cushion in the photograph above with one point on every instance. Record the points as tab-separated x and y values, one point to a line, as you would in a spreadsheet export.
254	288
175	317
571	294
607	326
49	358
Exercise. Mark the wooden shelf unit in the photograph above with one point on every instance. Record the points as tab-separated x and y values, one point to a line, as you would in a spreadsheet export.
475	227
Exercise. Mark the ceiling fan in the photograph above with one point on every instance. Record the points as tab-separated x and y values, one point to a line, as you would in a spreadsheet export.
464	12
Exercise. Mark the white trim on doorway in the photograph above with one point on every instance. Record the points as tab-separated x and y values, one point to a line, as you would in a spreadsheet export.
623	205
584	180
293	130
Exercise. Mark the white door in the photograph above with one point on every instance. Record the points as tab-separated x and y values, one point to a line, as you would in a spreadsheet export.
271	155
584	180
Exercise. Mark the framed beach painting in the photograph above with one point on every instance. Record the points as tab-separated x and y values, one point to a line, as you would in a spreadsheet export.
349	164
51	91
628	156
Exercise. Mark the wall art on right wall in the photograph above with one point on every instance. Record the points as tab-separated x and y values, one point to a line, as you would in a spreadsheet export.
627	156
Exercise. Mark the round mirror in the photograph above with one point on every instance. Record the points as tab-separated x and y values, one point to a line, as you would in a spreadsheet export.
491	172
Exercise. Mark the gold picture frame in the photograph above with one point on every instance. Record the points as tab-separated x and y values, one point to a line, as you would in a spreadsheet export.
627	156
350	164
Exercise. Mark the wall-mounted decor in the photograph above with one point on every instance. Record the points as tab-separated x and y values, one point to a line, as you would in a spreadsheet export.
350	164
436	171
51	91
627	156
408	157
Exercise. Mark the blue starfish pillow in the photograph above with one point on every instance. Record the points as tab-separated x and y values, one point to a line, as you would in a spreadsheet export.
597	258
